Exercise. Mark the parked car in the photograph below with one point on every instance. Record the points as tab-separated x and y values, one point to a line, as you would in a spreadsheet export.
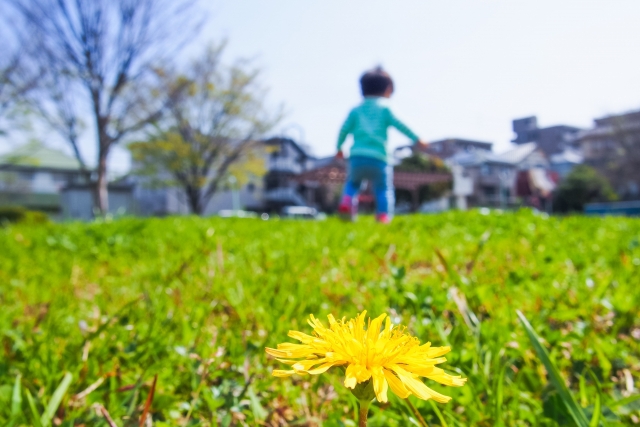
229	213
301	212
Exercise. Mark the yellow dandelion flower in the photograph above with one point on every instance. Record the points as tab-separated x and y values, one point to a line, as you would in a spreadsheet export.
390	357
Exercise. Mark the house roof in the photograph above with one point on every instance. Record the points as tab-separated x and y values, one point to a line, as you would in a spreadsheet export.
285	140
517	155
37	155
462	141
567	156
512	157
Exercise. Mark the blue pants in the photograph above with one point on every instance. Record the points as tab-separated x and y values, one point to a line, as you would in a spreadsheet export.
380	176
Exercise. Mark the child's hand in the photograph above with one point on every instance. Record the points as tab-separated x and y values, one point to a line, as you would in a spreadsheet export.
339	155
422	144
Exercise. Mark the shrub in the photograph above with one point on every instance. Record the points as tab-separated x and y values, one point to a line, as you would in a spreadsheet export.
17	214
583	185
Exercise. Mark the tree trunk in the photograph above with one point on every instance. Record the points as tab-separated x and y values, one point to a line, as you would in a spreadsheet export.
195	202
102	192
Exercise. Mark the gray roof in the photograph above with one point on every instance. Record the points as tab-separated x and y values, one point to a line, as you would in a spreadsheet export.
37	155
567	156
517	155
511	157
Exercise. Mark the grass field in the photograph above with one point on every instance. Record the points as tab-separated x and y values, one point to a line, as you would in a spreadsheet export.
96	311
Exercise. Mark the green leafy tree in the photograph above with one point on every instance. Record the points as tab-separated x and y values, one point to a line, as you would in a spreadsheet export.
583	185
215	117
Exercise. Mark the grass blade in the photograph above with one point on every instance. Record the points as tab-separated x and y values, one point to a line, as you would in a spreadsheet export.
107	416
438	413
554	375
420	419
52	407
597	407
499	393
147	405
583	391
625	401
16	398
259	413
34	411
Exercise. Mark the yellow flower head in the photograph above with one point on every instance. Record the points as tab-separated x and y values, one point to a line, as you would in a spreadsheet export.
389	357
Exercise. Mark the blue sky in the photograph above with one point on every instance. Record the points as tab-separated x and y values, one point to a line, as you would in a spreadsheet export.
462	68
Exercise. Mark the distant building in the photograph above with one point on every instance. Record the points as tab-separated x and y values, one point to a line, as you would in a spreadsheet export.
613	147
447	148
551	140
77	200
33	176
285	160
564	162
40	178
494	176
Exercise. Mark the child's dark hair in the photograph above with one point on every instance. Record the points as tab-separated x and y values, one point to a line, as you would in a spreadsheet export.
375	82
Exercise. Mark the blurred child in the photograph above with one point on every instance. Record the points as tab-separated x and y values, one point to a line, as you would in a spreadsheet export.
368	160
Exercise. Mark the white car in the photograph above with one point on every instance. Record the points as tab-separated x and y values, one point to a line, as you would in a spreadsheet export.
301	212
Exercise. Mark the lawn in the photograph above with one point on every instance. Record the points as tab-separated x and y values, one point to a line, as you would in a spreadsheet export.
97	311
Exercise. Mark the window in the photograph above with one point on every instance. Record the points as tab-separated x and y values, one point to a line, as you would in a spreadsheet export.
25	176
489	191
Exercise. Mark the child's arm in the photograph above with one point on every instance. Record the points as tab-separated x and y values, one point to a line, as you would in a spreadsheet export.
345	130
404	129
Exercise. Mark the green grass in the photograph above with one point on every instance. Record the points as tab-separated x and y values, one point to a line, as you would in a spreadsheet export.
195	301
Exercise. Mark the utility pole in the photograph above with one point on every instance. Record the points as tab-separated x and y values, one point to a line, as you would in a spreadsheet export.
235	197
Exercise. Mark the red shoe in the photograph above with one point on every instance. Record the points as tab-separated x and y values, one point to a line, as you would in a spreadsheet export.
346	210
383	218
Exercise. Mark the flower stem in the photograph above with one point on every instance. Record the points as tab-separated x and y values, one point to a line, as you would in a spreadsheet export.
364	411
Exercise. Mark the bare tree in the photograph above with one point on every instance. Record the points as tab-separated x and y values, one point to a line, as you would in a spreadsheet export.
16	81
215	116
98	55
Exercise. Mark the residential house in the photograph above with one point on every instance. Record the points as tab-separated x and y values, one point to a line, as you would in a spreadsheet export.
161	200
449	149
37	177
77	200
495	177
285	160
33	176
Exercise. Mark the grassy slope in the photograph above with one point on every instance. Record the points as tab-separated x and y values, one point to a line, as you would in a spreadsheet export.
196	300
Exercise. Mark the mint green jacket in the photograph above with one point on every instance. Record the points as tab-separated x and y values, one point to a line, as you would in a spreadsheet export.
368	123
